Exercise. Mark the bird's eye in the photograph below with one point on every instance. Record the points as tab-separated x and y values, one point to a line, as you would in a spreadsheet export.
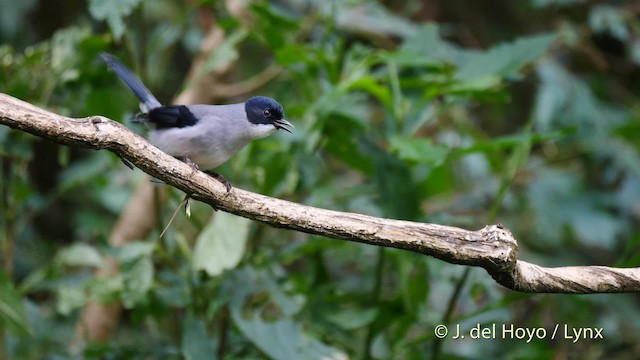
266	112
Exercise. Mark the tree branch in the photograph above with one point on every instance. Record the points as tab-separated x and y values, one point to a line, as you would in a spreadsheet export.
492	248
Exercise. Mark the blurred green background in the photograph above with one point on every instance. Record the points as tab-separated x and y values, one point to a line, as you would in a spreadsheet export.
451	112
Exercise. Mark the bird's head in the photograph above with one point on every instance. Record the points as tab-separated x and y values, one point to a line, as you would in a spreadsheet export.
262	110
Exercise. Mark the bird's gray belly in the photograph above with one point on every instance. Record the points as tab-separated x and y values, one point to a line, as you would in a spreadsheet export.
205	149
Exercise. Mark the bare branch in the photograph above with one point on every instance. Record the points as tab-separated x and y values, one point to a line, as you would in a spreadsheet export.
492	248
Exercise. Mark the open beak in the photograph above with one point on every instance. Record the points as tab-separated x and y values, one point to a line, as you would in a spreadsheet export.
284	125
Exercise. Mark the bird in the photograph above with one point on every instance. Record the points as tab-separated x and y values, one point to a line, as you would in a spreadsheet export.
203	136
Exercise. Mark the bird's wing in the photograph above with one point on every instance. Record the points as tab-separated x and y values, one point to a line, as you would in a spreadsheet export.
171	116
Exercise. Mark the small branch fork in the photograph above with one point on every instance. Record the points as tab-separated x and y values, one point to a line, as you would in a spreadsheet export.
492	247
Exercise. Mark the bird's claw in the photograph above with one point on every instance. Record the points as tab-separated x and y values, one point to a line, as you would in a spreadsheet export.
220	178
214	175
194	166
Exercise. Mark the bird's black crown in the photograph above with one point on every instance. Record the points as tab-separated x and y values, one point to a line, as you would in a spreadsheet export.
263	110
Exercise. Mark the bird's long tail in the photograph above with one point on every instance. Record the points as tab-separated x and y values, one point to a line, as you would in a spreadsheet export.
148	100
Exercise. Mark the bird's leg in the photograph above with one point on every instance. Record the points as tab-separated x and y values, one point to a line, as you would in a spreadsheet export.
214	175
220	178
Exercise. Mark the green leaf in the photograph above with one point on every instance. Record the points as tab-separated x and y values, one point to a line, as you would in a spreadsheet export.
413	281
12	313
512	141
14	15
427	48
69	298
105	290
293	53
398	192
566	100
380	348
584	214
225	53
477	85
272	25
173	289
64	47
221	243
343	144
281	338
247	281
505	59
133	250
80	255
595	227
138	279
113	12
83	171
196	343
609	20
351	319
373	87
369	17
420	150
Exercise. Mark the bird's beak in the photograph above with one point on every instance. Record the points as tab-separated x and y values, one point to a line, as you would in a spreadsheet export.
284	125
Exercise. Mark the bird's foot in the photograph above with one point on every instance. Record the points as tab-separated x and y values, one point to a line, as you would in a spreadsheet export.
141	118
214	175
220	178
186	160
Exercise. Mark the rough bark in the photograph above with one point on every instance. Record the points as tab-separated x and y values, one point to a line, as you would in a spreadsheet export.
492	248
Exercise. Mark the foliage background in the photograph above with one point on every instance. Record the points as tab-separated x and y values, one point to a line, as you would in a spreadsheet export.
452	112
